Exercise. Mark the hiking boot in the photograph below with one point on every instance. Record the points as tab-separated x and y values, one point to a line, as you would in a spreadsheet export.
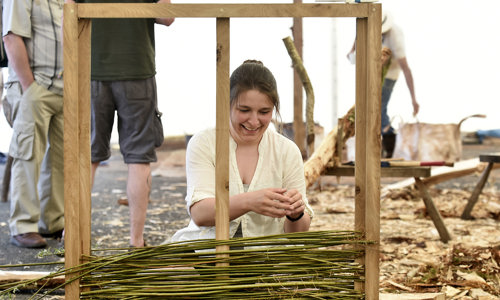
28	240
388	144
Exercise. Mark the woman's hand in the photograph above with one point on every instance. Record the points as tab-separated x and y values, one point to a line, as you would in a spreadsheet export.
296	202
297	219
271	202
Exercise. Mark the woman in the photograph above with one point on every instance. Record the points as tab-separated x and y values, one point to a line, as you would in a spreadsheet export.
266	183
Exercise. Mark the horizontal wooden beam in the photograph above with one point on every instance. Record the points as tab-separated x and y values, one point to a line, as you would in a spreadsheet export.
163	10
384	172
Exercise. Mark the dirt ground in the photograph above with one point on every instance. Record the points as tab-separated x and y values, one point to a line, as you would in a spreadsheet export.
412	258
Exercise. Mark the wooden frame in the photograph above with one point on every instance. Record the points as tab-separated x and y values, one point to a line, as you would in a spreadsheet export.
77	182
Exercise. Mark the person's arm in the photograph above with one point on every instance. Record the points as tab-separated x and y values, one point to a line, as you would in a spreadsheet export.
353	48
270	202
403	63
18	59
299	217
165	21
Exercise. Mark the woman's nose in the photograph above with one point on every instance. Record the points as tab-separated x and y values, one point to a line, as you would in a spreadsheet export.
254	120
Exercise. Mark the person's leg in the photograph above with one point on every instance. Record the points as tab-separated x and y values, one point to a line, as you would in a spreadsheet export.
102	117
386	96
138	190
28	147
93	170
51	182
140	132
101	120
388	134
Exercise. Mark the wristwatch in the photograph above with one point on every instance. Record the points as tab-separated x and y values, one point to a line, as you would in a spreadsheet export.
295	219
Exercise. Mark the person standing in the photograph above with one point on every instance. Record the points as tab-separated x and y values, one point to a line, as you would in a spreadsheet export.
32	36
123	81
392	38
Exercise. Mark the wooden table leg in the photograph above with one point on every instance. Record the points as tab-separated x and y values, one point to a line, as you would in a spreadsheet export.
466	214
432	210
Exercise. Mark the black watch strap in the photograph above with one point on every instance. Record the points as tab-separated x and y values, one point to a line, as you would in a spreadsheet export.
295	219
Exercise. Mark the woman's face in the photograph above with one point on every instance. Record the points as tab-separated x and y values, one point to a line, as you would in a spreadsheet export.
250	115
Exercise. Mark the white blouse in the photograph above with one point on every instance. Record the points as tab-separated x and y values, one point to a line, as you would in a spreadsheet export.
279	165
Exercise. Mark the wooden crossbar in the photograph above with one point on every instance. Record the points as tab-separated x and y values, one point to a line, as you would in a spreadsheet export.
77	24
137	10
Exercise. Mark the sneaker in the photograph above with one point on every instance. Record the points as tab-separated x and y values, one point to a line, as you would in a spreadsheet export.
28	240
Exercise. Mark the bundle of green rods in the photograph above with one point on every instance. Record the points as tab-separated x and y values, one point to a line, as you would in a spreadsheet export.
303	265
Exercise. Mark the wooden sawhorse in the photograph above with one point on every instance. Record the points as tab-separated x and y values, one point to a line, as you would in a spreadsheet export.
416	173
491	159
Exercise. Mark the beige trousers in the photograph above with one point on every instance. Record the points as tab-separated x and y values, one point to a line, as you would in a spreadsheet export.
37	185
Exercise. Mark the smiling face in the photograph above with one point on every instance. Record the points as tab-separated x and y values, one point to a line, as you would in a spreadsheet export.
250	116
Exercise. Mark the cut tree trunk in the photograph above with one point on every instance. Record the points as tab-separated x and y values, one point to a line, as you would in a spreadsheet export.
330	148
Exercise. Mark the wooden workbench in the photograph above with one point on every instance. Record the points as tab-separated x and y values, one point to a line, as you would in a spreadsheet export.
417	173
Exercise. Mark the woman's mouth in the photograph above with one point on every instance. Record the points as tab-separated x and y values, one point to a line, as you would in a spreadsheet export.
250	129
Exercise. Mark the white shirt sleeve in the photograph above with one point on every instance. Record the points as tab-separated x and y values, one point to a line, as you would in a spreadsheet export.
200	168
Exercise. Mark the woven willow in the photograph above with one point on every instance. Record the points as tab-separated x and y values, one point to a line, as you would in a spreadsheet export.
318	265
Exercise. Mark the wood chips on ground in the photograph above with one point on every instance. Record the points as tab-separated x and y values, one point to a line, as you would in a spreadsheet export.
412	257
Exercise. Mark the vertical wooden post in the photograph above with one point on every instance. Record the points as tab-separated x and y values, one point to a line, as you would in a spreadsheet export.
84	43
222	135
298	119
76	142
373	109
360	134
368	102
71	144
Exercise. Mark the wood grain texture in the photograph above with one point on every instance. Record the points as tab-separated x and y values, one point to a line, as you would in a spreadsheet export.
298	119
71	148
360	135
409	172
137	10
84	41
222	134
316	165
372	144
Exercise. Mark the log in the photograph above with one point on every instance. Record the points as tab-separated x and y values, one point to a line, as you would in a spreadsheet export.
332	145
306	82
317	163
18	276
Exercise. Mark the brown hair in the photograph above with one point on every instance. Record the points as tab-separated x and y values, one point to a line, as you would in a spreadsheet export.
253	75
